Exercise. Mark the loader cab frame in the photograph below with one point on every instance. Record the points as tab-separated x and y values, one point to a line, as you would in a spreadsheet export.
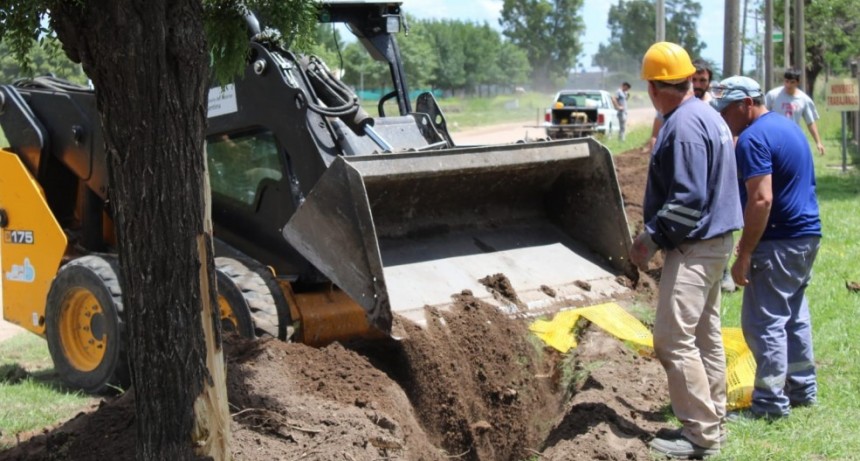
375	24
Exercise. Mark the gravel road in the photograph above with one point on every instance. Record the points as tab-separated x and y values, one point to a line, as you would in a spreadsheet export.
515	131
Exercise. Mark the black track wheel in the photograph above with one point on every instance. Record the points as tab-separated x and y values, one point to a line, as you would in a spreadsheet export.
234	311
85	325
247	288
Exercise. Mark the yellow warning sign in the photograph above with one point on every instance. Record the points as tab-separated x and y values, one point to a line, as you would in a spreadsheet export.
559	334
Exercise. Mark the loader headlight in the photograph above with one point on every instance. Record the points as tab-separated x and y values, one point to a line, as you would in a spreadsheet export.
392	23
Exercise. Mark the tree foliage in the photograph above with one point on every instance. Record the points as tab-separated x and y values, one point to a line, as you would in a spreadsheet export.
43	59
549	31
291	22
450	55
631	26
832	36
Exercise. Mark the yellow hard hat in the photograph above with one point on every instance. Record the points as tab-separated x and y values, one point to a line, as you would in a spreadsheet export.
667	62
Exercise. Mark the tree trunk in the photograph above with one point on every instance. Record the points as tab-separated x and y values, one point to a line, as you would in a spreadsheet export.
542	77
149	64
815	64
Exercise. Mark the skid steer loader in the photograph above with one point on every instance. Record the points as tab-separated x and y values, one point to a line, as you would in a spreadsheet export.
327	221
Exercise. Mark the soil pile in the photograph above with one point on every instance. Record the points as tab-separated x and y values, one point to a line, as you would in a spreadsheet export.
474	385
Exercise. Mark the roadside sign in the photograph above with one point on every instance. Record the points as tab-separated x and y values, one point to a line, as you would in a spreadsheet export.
843	95
777	36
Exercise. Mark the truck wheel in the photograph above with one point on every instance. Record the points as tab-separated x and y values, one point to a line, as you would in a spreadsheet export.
85	325
249	291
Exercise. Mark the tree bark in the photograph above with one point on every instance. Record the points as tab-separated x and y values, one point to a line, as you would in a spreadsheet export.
148	61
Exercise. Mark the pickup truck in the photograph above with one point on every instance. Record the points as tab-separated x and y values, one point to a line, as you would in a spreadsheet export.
578	113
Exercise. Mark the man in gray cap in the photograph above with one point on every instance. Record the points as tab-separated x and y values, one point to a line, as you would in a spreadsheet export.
777	247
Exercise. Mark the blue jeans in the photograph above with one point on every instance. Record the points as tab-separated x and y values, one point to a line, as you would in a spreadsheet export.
776	324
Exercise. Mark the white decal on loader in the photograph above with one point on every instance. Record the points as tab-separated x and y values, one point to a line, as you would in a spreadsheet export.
22	273
222	101
19	236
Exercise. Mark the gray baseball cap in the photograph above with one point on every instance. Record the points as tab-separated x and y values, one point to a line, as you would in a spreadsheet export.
733	89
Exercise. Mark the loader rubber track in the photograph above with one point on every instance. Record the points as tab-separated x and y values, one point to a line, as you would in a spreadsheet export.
267	306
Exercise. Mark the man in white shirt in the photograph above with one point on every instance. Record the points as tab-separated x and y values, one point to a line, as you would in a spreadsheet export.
792	102
620	102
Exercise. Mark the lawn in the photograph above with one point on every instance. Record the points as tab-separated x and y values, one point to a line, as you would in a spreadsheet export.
31	396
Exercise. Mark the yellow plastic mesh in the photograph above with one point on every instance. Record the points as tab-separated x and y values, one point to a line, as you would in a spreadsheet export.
740	369
558	334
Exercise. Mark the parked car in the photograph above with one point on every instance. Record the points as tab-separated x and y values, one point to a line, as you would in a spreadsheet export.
577	113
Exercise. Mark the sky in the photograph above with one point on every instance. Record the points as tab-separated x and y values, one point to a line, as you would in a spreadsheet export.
595	13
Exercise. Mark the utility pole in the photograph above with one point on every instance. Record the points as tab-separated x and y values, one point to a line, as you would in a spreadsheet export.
661	21
855	74
768	44
744	36
800	45
731	39
786	35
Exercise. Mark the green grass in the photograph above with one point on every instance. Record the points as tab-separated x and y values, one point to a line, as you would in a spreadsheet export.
828	431
31	396
461	113
636	138
467	112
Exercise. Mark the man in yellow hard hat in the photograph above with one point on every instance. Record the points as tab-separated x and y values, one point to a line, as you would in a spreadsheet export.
691	208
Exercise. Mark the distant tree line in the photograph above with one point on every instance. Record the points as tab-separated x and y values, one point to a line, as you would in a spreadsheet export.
449	55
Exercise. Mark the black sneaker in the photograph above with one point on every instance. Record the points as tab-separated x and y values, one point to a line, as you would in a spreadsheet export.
682	448
803	403
675	433
742	415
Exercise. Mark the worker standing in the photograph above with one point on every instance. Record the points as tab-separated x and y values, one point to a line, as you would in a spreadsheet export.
792	102
779	243
701	89
691	208
620	102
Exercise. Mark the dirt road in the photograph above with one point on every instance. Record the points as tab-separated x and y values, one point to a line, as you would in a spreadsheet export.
8	330
515	131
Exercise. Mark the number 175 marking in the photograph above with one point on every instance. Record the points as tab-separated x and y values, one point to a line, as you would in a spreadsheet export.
19	237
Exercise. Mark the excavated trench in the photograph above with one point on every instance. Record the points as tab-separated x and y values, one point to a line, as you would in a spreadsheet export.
473	385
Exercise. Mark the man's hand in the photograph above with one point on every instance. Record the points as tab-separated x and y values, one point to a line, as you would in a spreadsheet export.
643	250
820	148
740	269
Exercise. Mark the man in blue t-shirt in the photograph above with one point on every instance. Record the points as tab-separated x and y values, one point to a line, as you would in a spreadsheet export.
777	248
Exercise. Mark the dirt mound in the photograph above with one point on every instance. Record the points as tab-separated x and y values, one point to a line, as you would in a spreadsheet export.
474	385
632	171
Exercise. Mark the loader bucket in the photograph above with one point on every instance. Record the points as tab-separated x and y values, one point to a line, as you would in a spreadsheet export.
399	232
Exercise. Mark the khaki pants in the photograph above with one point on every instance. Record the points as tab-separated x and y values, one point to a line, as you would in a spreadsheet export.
688	339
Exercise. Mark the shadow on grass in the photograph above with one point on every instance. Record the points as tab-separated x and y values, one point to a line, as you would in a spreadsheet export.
838	186
15	374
